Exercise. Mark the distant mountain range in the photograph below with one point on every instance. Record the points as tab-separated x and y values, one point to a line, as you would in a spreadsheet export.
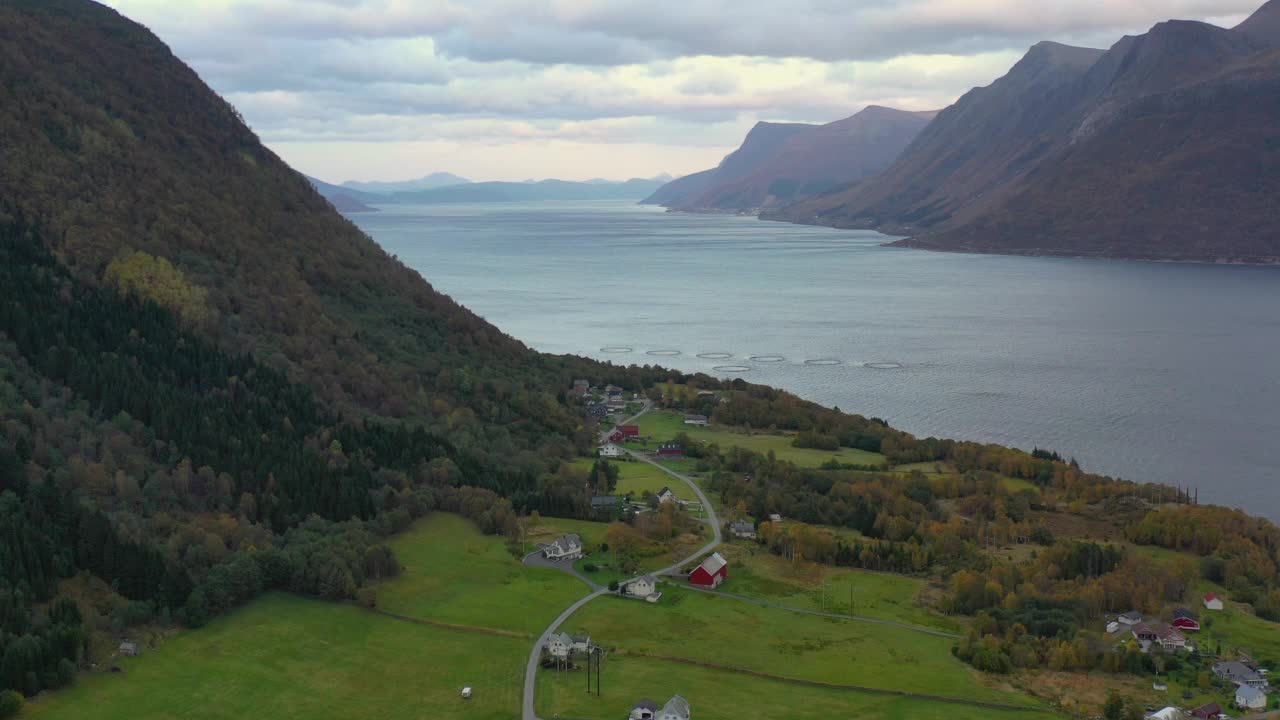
781	163
480	192
1165	146
434	180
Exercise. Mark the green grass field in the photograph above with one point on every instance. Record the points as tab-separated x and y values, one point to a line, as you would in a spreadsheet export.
757	573
661	426
696	626
289	658
454	574
719	695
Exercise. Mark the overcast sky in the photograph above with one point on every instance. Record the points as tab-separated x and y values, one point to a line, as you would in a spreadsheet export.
576	89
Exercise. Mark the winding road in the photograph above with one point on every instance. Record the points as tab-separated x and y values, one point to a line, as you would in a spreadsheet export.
531	669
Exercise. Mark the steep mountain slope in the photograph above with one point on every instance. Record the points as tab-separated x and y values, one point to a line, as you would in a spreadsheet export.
761	145
819	160
116	145
985	139
1162	147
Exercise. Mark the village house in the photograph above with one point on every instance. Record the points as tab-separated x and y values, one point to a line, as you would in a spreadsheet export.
565	547
609	450
677	708
699	420
1145	634
1250	698
562	645
645	586
645	709
1184	620
1169	638
1133	617
670	450
775	517
1212	602
713	571
742	529
580	388
629	432
128	649
1211	711
665	495
1237	672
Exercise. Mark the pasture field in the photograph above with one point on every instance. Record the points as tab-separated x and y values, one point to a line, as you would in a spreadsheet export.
720	695
452	573
291	658
760	574
793	645
663	425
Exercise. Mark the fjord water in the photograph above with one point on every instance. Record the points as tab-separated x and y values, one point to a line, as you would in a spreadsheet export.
1147	371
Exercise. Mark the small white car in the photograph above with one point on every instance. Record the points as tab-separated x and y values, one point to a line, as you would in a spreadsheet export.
466	693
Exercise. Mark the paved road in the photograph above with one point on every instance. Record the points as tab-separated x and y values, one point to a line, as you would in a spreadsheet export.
823	613
531	669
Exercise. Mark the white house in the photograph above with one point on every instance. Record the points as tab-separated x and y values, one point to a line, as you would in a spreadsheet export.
566	547
1212	602
665	495
677	708
562	645
609	450
645	709
1250	698
743	529
645	586
775	517
1133	617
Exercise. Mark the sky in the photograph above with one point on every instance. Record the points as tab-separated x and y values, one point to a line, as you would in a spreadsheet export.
579	89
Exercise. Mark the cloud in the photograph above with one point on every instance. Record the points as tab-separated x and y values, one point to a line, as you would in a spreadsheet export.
602	77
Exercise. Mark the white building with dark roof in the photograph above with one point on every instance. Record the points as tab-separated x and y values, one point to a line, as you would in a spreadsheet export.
565	547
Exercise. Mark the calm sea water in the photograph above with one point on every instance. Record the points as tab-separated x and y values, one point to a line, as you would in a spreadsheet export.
1148	371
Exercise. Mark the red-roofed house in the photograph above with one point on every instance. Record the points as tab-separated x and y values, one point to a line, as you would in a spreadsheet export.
616	436
1212	602
711	572
1212	711
629	431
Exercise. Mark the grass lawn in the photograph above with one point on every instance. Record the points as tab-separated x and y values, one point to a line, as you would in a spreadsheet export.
661	426
636	477
289	658
758	573
719	695
696	626
454	574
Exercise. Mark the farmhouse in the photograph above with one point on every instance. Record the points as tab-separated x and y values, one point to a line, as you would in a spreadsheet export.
1250	698
742	529
565	547
1212	711
677	708
610	450
128	649
1169	638
1145	633
665	495
1239	673
1212	602
645	709
1133	617
645	586
562	645
699	420
629	431
713	571
670	450
1184	620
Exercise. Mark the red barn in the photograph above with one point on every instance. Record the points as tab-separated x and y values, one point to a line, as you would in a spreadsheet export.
713	571
615	436
629	431
1184	620
670	450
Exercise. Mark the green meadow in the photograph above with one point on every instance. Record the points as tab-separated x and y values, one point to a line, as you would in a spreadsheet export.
661	426
289	658
719	695
452	573
695	626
